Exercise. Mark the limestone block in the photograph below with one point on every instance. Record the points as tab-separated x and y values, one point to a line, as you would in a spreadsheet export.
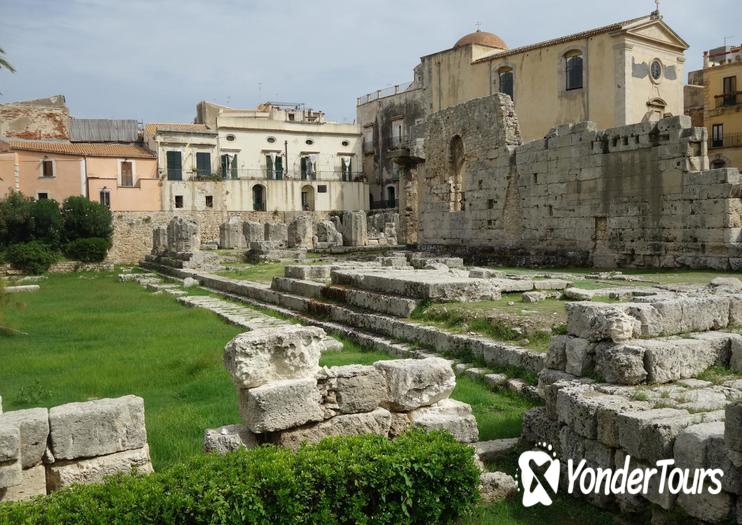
352	388
96	428
735	360
649	435
496	486
94	470
538	426
578	407
354	228
491	450
454	416
159	240
327	233
276	232
253	232
34	431
400	422
230	234
228	439
598	322
577	294
711	508
33	483
664	499
534	297
189	282
413	383
183	235
258	357
556	357
579	356
621	363
280	405
690	449
671	359
733	429
300	232
10	441
551	284
11	473
377	421
727	282
606	416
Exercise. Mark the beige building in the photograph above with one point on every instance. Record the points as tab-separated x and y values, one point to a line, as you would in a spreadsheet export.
618	74
277	157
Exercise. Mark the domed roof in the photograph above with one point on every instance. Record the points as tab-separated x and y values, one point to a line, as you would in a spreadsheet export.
481	38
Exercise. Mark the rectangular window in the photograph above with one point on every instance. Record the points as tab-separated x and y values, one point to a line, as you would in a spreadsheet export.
308	165
346	167
268	167
105	198
203	163
42	196
278	168
174	165
506	83
730	91
397	132
127	174
47	168
574	72
322	188
717	136
209	201
178	201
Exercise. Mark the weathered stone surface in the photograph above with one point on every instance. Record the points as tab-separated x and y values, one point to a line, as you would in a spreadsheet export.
556	356
326	233
413	383
276	232
228	439
189	282
622	363
253	232
280	405
10	441
183	235
577	294
534	297
491	450
33	483
94	470
579	356
729	282
538	426
649	435
671	359
733	428
96	428
352	388
711	508
454	416
496	486
230	234
159	240
354	228
735	360
551	284
400	423
375	422
34	431
11	473
258	357
300	232
598	322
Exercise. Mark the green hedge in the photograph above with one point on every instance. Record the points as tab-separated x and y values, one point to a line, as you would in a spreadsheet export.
417	478
92	249
31	257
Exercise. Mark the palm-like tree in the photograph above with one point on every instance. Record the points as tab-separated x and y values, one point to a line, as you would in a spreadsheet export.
4	64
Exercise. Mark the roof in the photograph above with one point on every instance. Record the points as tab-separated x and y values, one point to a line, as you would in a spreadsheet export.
153	127
481	38
568	38
103	130
83	149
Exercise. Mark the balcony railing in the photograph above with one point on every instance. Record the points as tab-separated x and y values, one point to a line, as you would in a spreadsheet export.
381	93
728	99
730	140
263	174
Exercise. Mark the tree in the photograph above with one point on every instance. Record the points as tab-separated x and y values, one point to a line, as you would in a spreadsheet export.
84	219
4	64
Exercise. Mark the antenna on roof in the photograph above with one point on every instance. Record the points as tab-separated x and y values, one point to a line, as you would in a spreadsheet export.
657	11
478	25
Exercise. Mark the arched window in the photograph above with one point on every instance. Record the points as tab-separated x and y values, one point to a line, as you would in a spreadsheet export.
573	64
307	198
258	197
456	179
505	81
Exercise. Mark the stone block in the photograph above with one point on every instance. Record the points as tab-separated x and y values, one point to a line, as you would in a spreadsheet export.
252	232
280	405
94	470
735	359
649	435
556	356
228	439
534	297
261	356
577	294
491	450
733	428
378	421
621	363
579	356
450	415
230	234
10	441
354	228
276	232
598	322
34	432
352	388
96	428
33	483
538	426
551	284
711	508
400	423
671	359
300	232
496	486
183	235
413	383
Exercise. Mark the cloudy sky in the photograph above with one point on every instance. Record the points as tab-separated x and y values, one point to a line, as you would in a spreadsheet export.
153	60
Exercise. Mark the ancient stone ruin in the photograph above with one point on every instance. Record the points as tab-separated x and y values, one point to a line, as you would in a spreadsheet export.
43	450
286	398
179	246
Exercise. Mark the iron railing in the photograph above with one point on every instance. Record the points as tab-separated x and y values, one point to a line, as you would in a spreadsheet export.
728	99
381	93
261	174
729	140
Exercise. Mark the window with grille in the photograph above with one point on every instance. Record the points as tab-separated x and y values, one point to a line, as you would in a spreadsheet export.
574	72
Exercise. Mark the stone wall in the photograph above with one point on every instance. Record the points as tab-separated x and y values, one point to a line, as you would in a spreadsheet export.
285	398
43	450
639	195
132	237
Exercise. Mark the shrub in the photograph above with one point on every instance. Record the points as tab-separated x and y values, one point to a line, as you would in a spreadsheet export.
417	478
15	219
32	257
46	220
83	219
93	249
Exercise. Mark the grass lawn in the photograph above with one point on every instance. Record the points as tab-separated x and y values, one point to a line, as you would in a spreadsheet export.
262	273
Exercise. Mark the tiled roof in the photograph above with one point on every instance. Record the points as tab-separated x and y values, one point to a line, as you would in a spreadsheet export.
576	36
83	149
153	127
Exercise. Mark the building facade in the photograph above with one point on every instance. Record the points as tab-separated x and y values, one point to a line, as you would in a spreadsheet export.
277	157
619	74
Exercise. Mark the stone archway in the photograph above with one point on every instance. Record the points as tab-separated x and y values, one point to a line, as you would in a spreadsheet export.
307	198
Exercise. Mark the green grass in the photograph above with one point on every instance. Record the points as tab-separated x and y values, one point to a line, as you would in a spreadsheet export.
91	337
352	354
718	374
262	273
564	511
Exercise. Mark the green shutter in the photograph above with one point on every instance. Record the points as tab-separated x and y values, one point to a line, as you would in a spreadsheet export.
235	173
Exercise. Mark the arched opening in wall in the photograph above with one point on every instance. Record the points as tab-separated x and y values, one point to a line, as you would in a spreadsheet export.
307	198
391	197
505	82
457	163
655	110
258	197
573	70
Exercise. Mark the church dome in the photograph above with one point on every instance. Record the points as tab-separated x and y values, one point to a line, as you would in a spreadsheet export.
481	38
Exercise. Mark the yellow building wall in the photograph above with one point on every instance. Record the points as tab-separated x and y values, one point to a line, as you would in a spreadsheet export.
729	116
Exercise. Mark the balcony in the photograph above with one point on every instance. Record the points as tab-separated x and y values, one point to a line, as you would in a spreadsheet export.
729	140
728	99
396	142
263	174
382	93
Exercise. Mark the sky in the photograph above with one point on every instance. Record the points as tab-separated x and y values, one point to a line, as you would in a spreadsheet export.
154	60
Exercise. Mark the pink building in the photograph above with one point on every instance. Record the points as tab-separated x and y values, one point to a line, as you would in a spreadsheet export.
123	176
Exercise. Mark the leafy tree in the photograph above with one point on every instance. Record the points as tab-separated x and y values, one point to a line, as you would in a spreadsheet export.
84	219
4	64
16	224
47	222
